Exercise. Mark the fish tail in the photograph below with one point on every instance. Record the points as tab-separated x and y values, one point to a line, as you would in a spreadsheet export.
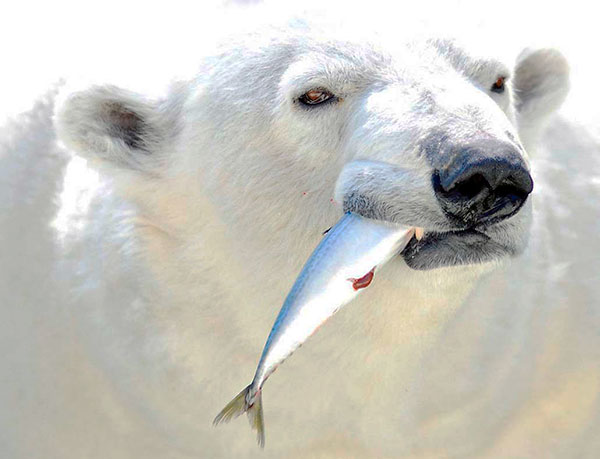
241	405
257	423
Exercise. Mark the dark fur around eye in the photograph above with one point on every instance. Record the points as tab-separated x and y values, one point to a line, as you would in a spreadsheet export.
498	86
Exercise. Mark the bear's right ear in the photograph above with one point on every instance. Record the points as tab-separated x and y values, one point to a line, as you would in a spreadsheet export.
113	125
541	84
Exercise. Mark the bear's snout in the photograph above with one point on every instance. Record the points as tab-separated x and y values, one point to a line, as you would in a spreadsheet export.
483	183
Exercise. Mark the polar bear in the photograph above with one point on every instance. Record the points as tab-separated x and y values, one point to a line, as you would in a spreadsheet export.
195	212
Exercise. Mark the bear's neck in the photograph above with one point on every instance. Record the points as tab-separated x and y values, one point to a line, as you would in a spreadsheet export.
237	268
226	276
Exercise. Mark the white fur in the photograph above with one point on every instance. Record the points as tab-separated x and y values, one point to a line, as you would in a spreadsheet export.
172	264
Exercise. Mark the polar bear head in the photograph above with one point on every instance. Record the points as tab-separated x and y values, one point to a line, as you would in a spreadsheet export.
279	127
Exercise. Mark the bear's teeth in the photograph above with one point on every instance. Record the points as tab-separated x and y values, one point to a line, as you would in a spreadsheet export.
419	232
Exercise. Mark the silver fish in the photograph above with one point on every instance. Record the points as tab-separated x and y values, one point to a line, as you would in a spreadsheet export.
339	268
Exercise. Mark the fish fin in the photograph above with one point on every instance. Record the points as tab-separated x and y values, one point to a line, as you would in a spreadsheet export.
255	416
234	408
240	405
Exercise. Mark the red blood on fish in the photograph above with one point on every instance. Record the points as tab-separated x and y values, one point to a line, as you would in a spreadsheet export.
364	281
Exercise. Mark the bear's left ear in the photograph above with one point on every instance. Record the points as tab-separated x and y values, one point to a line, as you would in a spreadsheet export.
541	84
114	126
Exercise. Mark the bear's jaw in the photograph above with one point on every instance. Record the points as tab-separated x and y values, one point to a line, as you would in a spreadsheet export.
451	248
481	244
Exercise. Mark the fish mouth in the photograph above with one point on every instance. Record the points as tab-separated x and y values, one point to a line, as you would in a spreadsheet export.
432	249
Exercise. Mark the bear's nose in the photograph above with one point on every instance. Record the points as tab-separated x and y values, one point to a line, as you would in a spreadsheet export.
483	183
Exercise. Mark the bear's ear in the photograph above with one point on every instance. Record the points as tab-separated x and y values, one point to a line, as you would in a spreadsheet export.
113	125
541	84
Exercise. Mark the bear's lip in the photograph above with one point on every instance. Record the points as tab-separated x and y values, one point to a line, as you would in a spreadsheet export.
450	248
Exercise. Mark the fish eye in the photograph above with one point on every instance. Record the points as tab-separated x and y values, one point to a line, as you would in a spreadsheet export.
315	96
498	85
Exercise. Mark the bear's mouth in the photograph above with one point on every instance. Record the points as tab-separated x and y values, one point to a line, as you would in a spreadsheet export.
451	248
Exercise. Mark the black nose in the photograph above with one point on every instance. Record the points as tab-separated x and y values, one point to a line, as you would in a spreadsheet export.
483	184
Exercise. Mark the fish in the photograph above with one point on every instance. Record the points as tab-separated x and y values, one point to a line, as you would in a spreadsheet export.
343	264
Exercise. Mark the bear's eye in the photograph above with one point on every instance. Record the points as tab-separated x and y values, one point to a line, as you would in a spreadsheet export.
315	96
498	85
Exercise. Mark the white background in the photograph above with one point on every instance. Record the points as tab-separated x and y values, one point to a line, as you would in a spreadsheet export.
146	41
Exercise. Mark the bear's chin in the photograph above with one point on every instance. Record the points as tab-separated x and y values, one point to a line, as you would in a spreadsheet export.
453	248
